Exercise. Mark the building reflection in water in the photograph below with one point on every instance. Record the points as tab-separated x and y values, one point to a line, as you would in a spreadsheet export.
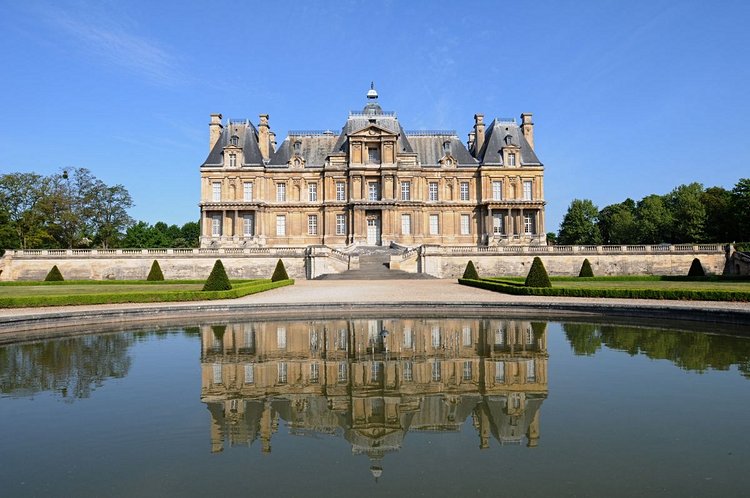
371	381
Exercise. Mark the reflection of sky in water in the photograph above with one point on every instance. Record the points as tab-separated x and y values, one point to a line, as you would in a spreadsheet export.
181	413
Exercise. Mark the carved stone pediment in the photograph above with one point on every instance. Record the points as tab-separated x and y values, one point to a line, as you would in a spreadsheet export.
372	130
448	161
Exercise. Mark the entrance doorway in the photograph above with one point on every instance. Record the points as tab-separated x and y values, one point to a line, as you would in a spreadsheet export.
373	229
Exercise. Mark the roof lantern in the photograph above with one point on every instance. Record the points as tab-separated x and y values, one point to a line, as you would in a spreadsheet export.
371	93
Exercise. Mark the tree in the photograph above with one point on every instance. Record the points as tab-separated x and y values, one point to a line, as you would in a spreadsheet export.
21	198
696	269
54	275
155	274
688	213
586	270
537	276
109	215
470	272
653	219
551	238
617	224
579	224
279	273
190	233
717	202
741	209
218	279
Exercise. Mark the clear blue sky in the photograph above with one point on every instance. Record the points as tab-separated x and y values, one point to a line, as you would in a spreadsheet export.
629	97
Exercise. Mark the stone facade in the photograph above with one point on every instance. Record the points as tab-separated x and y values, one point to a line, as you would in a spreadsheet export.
371	184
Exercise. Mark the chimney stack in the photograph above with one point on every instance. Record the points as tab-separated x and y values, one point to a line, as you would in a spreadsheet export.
478	132
273	141
470	143
264	136
528	128
214	131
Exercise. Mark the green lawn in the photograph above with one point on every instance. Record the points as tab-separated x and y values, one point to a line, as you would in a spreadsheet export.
659	284
70	289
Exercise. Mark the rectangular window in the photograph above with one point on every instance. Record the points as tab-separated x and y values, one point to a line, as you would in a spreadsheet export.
405	191
232	160
497	191
281	337
314	373
497	223
342	371
408	371
529	336
500	372
528	224
216	186
312	224
249	337
281	224
247	189
436	371
512	159
467	335
340	224
282	373
216	367
280	192
312	192
433	191
340	191
434	224
530	370
499	336
341	340
216	225
248	224
465	224
405	224
249	374
435	336
464	191
377	369
527	190
373	155
373	191
467	370
313	341
408	338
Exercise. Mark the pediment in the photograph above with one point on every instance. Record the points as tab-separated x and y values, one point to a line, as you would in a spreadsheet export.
372	130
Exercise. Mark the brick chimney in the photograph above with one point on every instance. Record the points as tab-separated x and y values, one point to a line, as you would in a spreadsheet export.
478	133
264	136
214	130
528	128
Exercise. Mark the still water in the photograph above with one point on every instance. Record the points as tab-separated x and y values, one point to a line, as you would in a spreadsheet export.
435	407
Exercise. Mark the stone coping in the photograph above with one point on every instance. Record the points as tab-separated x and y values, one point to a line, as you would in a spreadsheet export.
354	299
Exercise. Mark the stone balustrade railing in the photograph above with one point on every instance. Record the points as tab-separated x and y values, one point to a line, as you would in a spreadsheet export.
609	249
180	252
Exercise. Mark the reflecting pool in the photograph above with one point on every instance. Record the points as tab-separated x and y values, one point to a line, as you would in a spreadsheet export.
396	406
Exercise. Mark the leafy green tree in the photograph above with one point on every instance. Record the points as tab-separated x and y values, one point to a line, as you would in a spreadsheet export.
21	199
551	238
109	215
190	232
741	209
654	220
717	202
688	213
537	276
579	224
617	223
218	279
138	235
279	273
155	274
586	270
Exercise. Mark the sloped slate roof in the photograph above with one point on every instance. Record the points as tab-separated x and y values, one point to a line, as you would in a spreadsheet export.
388	123
247	139
429	149
313	148
495	140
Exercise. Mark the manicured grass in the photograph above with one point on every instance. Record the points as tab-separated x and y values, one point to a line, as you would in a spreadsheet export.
141	292
637	288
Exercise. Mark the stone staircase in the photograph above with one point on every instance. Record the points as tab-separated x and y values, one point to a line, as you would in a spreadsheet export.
374	264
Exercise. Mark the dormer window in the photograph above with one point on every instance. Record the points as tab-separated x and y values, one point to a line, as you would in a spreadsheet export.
235	140
297	147
508	139
447	147
232	160
511	159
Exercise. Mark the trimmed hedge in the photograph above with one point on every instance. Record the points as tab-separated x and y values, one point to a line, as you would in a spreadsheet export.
54	275
470	271
22	283
679	294
696	269
142	297
586	270
218	279
279	273
155	273
537	276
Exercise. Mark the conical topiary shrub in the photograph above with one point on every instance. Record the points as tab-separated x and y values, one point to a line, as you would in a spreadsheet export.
54	275
279	273
537	276
696	269
586	270
217	280
470	272
155	273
